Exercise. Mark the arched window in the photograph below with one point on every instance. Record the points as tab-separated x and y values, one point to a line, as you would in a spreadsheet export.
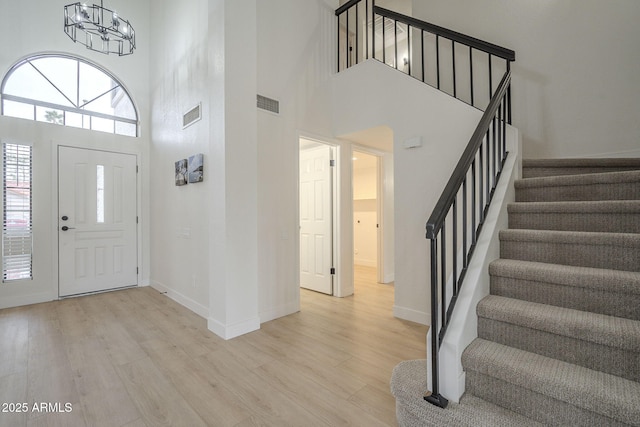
70	91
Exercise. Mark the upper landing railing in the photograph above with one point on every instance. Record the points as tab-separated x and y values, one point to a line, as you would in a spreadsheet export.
466	68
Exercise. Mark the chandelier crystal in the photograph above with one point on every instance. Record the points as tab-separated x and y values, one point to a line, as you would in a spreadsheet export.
99	29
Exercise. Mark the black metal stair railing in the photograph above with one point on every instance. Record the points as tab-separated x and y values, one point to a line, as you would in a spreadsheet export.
465	68
453	229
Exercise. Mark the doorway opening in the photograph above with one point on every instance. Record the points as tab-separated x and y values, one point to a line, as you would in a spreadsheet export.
373	205
366	218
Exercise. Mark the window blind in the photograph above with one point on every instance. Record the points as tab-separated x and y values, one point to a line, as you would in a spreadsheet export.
17	232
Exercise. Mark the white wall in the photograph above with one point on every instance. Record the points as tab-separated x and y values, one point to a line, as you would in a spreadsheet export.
179	225
234	211
576	82
296	59
37	27
205	235
242	222
372	94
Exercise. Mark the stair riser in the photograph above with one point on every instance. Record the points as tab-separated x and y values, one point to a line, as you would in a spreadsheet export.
584	299
615	361
536	406
539	172
575	254
566	193
598	222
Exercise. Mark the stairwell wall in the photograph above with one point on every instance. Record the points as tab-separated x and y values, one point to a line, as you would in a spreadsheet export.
372	94
576	82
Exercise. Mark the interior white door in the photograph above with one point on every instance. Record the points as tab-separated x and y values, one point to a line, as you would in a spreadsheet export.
97	222
316	219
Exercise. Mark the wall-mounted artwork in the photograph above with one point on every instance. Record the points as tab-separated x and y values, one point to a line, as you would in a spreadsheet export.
181	172
196	168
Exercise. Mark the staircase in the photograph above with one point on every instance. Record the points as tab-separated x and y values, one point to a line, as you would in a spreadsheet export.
559	335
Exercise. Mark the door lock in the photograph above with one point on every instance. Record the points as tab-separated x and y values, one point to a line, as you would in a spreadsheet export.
64	218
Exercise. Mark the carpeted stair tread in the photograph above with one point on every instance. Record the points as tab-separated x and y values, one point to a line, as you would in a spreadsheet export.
583	179
596	341
620	251
574	390
597	328
554	167
408	385
594	186
611	292
627	282
583	162
602	216
579	206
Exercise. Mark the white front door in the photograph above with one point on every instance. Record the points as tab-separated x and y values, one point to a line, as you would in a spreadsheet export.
316	219
97	221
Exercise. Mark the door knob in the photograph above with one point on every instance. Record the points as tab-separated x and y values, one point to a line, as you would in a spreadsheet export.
64	218
65	228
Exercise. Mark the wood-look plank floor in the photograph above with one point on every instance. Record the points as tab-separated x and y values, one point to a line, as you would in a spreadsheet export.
137	358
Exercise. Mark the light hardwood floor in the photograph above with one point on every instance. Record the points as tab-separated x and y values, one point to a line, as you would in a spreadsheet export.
137	358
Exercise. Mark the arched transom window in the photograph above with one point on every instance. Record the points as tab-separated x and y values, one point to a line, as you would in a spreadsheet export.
69	91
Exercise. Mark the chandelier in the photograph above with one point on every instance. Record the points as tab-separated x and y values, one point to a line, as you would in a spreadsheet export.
99	29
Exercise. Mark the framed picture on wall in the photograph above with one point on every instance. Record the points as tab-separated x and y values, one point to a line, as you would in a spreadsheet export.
196	168
181	172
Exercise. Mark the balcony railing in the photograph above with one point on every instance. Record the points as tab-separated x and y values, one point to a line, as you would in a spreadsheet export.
465	67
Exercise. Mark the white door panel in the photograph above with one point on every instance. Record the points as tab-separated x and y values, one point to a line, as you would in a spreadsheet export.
316	215
97	222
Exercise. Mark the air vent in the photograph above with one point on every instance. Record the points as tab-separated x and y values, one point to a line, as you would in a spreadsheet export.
191	116
268	104
389	27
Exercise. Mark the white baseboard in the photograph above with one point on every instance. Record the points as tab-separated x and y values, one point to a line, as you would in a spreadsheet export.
280	311
617	154
187	302
411	315
10	302
228	332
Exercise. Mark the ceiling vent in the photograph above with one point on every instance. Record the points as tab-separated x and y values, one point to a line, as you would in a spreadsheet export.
191	116
268	104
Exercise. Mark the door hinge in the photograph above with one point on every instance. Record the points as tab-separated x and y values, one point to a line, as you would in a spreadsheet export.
136	168
333	270
332	162
137	270
136	220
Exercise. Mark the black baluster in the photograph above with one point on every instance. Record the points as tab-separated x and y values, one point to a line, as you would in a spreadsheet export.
471	73
395	40
443	274
438	59
454	246
453	61
422	49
